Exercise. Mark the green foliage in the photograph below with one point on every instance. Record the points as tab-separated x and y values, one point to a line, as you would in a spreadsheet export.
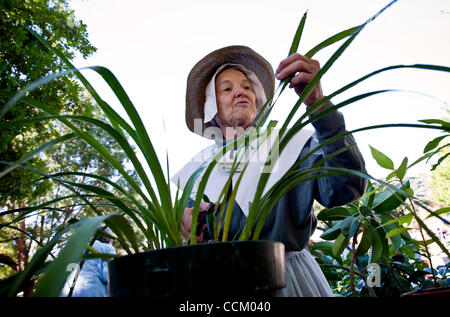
144	201
440	174
383	237
25	60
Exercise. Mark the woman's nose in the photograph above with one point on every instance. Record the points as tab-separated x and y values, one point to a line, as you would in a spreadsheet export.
240	92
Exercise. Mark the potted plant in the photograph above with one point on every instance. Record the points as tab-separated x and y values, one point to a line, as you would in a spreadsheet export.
150	209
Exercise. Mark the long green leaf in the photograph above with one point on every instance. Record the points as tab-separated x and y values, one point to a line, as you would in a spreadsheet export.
298	35
336	213
364	243
339	245
331	40
56	274
112	115
264	178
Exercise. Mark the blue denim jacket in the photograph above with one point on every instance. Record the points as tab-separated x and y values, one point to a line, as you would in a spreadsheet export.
93	278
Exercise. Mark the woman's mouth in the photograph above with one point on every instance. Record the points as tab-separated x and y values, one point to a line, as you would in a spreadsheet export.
242	103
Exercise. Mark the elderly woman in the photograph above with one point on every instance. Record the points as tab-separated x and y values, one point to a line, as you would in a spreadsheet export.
225	91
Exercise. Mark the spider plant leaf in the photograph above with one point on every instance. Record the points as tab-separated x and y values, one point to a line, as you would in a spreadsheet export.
310	86
231	202
119	138
440	122
120	226
56	274
111	114
143	140
98	147
331	40
298	34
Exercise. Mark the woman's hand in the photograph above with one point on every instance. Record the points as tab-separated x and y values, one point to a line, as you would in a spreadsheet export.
187	221
303	70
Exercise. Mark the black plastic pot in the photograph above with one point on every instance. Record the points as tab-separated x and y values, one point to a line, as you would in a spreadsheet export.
443	292
253	268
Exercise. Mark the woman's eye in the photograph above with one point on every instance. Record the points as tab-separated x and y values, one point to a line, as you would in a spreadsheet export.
227	89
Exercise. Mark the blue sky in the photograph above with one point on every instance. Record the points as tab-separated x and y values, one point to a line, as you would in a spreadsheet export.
152	45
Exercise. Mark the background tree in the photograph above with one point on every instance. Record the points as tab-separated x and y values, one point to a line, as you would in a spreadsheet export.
23	59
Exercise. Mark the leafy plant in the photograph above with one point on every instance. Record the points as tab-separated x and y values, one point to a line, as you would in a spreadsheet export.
151	209
377	233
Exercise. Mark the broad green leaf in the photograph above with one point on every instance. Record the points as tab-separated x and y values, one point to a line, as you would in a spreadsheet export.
433	143
339	245
396	232
365	211
324	246
376	248
354	226
333	232
401	171
365	243
404	219
384	227
382	159
439	162
440	211
391	175
337	213
437	121
346	225
388	199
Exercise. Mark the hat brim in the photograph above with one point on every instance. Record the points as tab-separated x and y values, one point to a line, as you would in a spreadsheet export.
202	72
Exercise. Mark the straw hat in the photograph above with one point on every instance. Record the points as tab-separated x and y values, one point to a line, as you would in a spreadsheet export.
202	72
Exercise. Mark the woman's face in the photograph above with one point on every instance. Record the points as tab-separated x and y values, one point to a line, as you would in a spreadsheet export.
236	99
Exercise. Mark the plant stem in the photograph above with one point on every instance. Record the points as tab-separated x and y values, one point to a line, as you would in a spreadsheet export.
413	210
342	268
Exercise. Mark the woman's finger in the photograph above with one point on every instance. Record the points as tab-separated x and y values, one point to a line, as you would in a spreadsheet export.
290	59
295	67
301	79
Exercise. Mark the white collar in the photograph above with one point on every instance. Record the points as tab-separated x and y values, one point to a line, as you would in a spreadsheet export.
249	182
